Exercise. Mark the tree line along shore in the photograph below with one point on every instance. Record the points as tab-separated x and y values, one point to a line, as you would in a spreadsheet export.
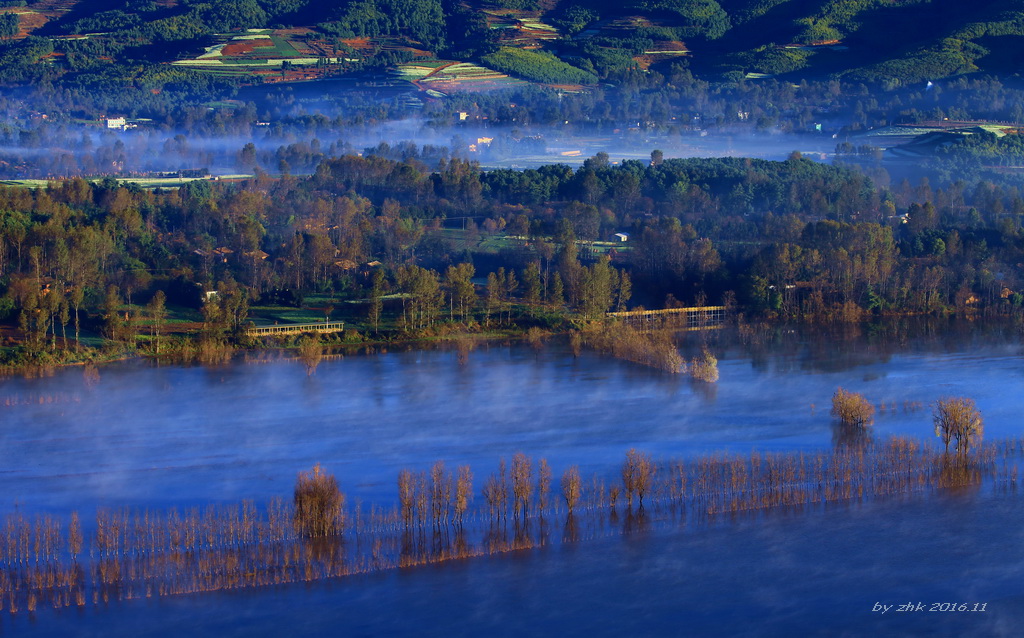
398	252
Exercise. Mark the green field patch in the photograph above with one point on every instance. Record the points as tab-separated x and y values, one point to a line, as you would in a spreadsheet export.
411	72
289	315
499	242
537	66
159	182
212	52
434	64
245	62
284	48
460	239
25	183
533	23
200	63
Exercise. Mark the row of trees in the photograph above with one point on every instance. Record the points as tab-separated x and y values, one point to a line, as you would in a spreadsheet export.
439	498
132	553
428	297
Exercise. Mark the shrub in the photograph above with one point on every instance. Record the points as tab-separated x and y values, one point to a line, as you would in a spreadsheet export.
318	504
705	367
654	349
852	408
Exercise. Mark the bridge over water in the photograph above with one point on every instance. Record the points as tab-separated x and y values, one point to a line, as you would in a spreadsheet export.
694	318
324	327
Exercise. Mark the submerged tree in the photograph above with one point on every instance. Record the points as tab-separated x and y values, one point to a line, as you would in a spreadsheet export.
637	474
319	504
522	486
958	419
75	536
441	485
851	408
496	492
406	487
463	492
311	352
543	485
571	486
705	367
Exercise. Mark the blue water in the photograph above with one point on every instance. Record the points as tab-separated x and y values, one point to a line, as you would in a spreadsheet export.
776	575
158	436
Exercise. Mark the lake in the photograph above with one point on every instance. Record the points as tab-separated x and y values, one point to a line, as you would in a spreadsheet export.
178	436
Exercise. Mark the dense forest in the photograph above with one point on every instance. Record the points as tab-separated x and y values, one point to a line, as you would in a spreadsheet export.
416	252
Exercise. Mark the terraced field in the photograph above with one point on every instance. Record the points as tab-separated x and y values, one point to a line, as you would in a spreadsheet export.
444	77
418	70
259	49
517	28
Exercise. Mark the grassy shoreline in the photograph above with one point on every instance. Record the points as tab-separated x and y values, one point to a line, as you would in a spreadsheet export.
187	349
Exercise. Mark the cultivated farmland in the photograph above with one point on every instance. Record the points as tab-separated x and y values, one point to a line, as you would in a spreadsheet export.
449	77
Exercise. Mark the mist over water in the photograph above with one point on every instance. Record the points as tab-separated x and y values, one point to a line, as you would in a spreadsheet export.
160	436
71	150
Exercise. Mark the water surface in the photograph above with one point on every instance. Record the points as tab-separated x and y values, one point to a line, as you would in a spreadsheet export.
159	436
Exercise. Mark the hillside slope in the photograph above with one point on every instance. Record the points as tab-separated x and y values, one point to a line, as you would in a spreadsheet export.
560	42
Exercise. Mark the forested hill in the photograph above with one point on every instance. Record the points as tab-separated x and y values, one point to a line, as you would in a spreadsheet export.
547	41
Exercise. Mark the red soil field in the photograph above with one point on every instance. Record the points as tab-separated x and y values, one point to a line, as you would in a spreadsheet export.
242	47
29	21
670	45
272	76
359	44
53	7
296	31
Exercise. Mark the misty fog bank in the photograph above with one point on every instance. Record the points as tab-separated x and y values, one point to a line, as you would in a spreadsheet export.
72	150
